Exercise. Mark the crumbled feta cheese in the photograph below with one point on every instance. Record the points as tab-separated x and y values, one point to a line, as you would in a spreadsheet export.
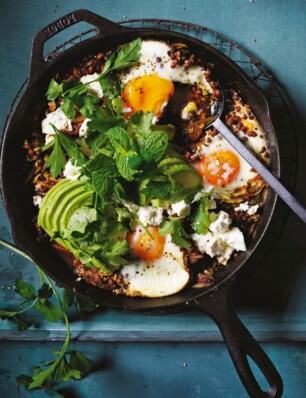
132	207
71	172
190	107
251	210
59	119
92	88
180	208
221	224
37	200
242	207
49	138
149	215
222	240
84	128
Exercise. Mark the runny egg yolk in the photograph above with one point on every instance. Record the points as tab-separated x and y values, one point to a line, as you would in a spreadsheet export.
219	168
147	93
143	246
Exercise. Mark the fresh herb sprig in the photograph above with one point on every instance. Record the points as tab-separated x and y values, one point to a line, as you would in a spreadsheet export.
68	364
73	93
62	144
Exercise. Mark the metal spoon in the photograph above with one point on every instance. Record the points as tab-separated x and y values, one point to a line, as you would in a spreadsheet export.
274	182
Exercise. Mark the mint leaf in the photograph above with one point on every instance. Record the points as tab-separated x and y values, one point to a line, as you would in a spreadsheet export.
154	143
51	311
157	189
101	184
24	289
119	139
124	169
174	227
67	107
104	165
54	90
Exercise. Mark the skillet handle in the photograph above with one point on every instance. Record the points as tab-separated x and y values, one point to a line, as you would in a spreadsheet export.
103	25
240	343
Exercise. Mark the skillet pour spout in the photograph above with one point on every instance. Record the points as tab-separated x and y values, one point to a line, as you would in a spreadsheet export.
216	301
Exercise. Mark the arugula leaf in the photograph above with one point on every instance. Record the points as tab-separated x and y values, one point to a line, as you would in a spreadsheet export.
113	252
51	311
56	161
157	189
154	143
54	90
174	227
202	218
24	289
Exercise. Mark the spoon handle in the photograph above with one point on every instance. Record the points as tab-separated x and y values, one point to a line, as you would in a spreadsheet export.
261	169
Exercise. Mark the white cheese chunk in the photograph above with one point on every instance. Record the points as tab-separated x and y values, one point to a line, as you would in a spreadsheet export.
72	172
180	209
149	215
60	121
222	240
221	224
251	210
37	200
84	128
94	88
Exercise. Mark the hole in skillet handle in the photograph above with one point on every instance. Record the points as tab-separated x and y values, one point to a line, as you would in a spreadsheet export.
103	25
240	343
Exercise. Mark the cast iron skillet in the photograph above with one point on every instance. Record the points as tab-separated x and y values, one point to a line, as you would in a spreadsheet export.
216	301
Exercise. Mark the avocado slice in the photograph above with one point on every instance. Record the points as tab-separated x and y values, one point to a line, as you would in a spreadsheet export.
184	175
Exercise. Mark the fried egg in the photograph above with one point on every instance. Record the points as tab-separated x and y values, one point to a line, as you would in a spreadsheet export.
149	83
159	268
220	166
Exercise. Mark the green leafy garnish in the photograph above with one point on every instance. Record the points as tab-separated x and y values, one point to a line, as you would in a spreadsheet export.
62	144
174	227
67	364
202	217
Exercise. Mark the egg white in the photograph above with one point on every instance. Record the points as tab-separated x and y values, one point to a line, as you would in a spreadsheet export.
217	143
162	277
147	65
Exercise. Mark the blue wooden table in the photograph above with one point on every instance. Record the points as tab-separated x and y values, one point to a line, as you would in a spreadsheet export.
178	355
